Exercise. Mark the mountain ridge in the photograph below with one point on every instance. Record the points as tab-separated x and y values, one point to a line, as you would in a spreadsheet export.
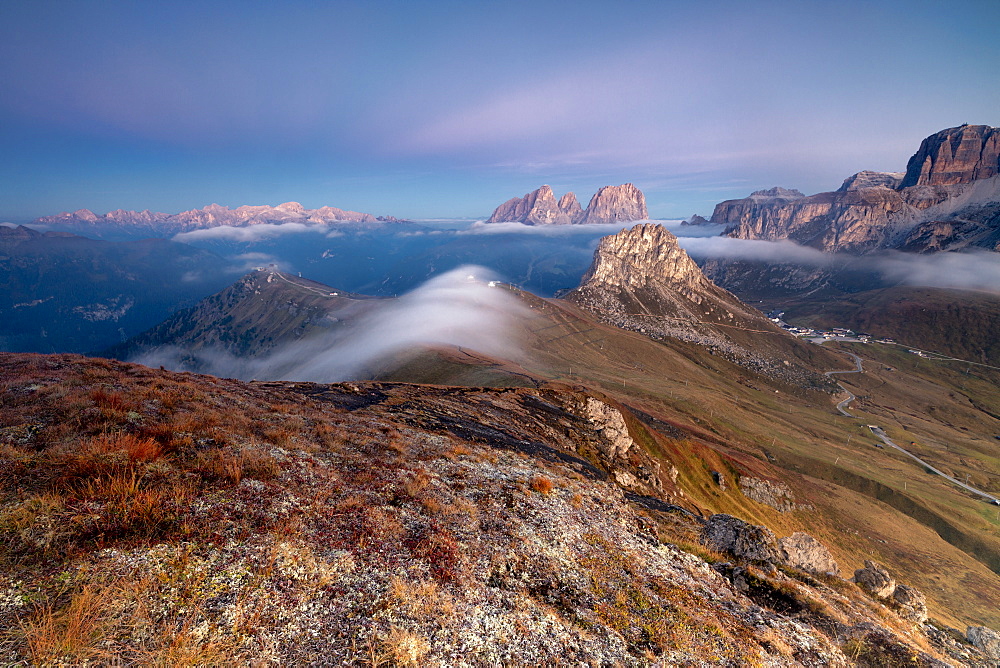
877	210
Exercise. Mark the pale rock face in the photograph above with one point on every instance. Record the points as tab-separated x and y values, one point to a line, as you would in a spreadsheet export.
985	639
616	204
802	551
610	424
725	533
875	579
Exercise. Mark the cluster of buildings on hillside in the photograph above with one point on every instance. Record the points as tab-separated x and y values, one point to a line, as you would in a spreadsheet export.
836	333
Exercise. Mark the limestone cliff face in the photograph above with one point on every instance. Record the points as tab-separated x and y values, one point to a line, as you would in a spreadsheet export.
952	174
611	204
956	155
539	207
616	204
857	219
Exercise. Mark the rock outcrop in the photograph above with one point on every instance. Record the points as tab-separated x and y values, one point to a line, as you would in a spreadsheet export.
771	493
912	604
802	551
954	156
875	579
611	204
985	639
725	533
950	178
616	204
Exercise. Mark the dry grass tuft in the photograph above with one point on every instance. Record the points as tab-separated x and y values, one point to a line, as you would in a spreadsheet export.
542	484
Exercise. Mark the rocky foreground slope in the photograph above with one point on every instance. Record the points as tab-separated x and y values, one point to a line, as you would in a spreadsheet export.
152	517
946	200
610	204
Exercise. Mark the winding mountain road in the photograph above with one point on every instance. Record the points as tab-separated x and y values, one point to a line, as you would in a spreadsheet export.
878	432
850	397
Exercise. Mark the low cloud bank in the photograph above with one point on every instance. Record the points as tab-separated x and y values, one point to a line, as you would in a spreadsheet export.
970	270
455	309
755	250
249	234
480	227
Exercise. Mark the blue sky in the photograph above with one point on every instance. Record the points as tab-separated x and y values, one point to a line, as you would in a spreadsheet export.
425	108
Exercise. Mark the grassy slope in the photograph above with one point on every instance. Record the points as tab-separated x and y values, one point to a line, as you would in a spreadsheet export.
961	323
733	419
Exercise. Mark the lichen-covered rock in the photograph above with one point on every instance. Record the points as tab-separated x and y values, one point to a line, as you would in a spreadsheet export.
875	579
912	603
725	533
802	551
985	639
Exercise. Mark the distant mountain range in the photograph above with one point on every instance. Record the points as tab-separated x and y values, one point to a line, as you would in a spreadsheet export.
120	221
947	199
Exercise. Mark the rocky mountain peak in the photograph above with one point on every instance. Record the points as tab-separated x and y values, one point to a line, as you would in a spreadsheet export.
570	206
611	204
616	204
953	156
539	207
645	254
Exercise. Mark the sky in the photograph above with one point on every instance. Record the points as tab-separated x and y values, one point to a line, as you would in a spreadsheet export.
424	108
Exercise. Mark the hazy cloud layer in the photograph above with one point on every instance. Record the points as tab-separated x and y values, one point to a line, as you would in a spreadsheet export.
249	234
454	309
481	227
755	250
973	270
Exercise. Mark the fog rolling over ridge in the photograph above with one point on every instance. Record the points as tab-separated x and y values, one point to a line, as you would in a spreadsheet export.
463	308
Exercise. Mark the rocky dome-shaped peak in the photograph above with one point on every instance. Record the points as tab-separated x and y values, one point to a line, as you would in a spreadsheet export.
777	192
616	204
646	253
956	155
870	179
291	206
